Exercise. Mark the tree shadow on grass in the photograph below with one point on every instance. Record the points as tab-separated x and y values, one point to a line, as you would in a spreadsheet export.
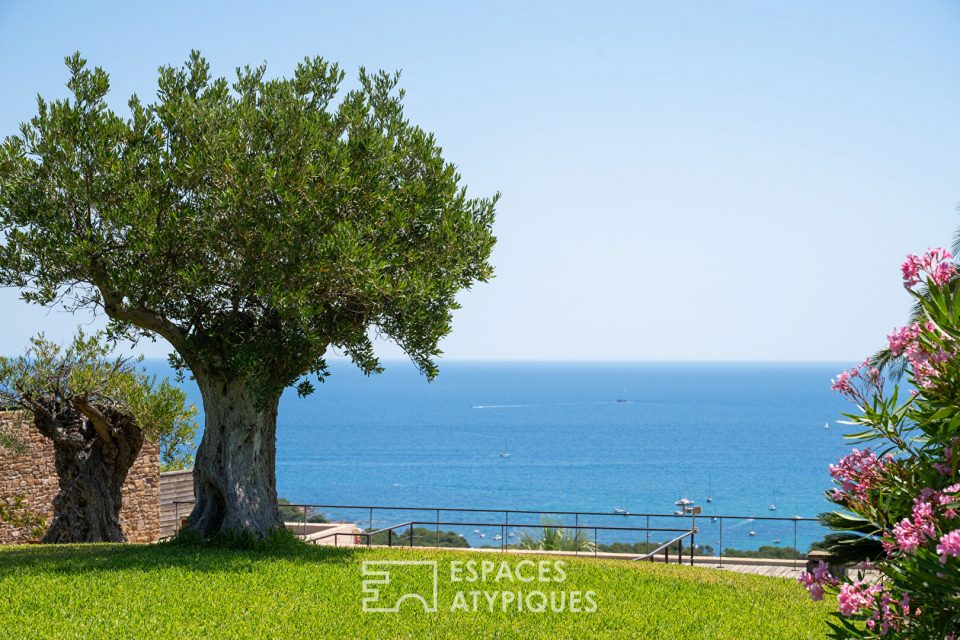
86	558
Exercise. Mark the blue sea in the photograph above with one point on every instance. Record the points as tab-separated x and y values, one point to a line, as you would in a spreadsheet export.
580	437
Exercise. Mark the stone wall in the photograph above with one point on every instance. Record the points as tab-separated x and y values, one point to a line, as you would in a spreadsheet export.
32	474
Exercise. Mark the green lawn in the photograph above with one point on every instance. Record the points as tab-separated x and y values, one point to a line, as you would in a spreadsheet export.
166	591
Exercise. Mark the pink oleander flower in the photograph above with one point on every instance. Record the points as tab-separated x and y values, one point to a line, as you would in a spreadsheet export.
889	547
815	580
873	600
943	498
945	468
942	274
901	338
821	573
816	592
858	472
843	381
924	360
936	263
949	545
858	596
912	532
859	382
910	269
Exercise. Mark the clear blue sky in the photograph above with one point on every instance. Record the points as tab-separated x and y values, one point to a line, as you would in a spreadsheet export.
681	181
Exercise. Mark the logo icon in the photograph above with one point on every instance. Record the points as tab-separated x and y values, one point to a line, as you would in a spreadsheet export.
390	583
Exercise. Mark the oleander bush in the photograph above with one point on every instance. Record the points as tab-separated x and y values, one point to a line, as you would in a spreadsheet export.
899	491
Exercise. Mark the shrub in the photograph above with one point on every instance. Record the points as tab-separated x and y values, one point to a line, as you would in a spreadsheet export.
422	537
900	493
15	512
765	551
555	537
290	513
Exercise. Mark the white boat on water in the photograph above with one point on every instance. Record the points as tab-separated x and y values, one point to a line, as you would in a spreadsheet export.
826	425
685	505
777	541
483	535
506	449
773	507
621	512
752	533
498	537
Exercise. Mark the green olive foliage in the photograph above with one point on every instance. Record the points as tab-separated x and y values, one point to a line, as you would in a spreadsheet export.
253	224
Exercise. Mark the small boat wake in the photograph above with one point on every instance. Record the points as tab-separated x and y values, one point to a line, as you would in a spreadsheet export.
501	406
551	404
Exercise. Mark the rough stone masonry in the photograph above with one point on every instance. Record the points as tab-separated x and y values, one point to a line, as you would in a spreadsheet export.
32	475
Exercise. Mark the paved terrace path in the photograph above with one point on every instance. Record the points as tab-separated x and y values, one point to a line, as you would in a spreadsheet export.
775	571
757	566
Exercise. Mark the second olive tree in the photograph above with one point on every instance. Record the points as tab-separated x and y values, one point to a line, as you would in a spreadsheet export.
97	412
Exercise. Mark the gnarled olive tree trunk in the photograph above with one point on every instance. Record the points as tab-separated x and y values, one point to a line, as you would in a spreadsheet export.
234	475
92	465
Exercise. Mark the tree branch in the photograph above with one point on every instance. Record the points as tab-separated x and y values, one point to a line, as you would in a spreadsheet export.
96	417
115	307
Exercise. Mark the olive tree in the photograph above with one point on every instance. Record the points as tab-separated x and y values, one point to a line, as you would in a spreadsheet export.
97	411
254	225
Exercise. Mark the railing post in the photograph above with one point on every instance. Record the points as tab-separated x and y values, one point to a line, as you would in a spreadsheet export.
594	542
438	528
693	545
389	537
505	530
648	533
411	536
680	551
794	543
371	519
576	523
720	551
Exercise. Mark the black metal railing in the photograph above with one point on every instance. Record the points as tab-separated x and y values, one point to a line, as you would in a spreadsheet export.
512	519
408	539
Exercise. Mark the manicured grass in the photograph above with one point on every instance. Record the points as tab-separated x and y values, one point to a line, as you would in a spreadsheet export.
167	591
